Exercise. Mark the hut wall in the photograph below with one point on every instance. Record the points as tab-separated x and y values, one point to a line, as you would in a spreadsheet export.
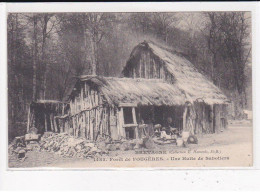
220	117
209	118
147	65
88	117
204	118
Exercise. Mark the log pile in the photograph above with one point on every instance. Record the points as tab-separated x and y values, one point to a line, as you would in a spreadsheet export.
18	148
71	147
68	146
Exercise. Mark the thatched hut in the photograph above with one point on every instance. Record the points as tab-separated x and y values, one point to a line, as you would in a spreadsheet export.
157	84
106	106
151	61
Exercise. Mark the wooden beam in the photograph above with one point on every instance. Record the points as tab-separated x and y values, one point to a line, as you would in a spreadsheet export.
127	104
130	125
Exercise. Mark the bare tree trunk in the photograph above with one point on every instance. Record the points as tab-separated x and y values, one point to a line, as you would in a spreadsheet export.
44	36
11	83
94	55
35	53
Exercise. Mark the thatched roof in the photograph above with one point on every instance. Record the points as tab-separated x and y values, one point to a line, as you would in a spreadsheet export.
140	91
187	77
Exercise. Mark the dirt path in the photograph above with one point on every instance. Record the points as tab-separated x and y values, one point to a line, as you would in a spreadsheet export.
236	142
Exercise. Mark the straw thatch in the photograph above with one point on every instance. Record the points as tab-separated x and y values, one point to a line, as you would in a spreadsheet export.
186	76
140	91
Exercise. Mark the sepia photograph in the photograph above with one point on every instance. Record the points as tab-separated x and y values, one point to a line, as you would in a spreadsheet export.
129	89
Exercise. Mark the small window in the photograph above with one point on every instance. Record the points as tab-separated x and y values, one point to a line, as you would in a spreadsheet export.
128	116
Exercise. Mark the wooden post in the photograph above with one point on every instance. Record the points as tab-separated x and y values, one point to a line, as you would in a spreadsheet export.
62	109
88	125
91	124
121	123
52	129
71	108
45	122
28	119
134	120
55	124
113	124
184	118
73	125
217	117
84	124
85	94
212	130
81	99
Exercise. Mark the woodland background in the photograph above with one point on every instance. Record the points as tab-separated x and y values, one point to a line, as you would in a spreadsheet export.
46	50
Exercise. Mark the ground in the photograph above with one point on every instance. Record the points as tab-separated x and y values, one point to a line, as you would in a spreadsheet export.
235	143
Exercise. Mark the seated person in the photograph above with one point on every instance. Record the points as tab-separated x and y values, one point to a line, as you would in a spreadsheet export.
147	127
170	127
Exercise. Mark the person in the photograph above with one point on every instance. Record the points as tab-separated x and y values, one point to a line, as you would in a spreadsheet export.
170	127
189	118
149	128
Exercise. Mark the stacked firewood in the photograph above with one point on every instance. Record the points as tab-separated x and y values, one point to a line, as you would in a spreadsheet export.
75	147
67	146
18	147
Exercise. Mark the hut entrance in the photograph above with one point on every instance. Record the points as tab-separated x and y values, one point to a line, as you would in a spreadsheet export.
153	115
128	120
42	116
162	113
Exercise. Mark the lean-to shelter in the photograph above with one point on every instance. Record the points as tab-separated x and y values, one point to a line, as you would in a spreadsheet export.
43	115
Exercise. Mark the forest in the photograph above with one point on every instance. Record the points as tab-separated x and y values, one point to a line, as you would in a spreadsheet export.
47	50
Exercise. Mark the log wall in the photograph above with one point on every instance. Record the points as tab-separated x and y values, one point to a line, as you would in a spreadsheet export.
89	116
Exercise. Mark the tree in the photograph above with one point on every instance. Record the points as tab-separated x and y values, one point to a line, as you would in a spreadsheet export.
162	22
19	73
73	43
35	54
96	25
228	42
45	18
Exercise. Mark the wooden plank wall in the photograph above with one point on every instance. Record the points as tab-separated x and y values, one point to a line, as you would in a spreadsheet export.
150	67
89	117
